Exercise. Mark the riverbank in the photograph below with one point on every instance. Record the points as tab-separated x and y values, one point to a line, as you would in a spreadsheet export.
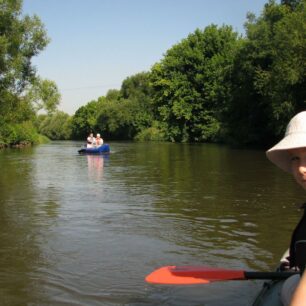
25	143
22	144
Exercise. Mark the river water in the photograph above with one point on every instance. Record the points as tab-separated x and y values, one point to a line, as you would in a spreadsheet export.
86	230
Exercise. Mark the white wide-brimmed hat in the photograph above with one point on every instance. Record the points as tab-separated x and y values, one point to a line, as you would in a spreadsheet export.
295	137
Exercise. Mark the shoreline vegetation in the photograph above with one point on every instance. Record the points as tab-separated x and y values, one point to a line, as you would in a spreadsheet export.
24	143
215	85
19	145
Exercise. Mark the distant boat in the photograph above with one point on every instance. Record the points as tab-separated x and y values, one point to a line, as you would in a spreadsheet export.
104	149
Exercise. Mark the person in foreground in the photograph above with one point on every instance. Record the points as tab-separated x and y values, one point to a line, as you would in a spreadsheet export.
290	155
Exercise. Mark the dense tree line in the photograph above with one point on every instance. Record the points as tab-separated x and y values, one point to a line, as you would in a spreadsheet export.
215	85
121	114
268	79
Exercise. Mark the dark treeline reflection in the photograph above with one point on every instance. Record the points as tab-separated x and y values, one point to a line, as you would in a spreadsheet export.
230	202
21	228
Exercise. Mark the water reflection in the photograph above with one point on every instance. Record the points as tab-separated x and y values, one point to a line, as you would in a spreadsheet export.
82	230
95	166
20	228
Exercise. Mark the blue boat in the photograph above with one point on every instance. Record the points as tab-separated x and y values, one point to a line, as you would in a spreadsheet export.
104	149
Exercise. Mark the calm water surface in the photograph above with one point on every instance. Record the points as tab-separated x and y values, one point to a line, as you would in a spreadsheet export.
85	230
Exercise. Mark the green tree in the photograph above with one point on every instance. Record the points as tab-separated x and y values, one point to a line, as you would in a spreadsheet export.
21	38
113	94
191	86
138	91
84	120
286	85
121	114
56	126
115	119
292	4
43	95
269	75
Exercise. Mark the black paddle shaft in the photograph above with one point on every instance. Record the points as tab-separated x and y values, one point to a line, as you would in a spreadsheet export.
269	275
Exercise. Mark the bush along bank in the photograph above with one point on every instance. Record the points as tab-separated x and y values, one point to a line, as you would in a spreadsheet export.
20	135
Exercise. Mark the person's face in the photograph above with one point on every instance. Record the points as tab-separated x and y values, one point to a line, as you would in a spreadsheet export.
298	165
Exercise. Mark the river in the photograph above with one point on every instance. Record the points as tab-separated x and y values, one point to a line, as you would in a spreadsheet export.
86	230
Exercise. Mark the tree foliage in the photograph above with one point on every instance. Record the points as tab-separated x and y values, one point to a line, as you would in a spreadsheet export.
121	114
43	94
115	119
138	91
21	38
56	126
214	85
269	75
190	84
85	119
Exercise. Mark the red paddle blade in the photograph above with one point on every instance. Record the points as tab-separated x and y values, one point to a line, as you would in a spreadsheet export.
165	276
185	275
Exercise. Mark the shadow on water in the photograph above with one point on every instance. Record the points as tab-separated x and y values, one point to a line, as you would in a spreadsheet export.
85	230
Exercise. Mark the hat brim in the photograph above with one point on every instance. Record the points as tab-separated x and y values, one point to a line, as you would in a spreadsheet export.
279	154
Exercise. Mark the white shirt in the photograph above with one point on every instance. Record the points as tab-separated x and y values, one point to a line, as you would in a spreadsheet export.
91	142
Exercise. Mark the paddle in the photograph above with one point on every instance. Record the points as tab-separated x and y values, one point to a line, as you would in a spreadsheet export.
188	275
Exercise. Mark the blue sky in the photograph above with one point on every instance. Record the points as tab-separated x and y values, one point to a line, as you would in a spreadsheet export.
96	44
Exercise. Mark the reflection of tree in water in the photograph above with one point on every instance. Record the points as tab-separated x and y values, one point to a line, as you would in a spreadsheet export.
20	228
218	199
95	166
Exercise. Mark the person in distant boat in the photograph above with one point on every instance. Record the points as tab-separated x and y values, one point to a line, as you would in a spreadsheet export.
290	155
91	141
99	140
